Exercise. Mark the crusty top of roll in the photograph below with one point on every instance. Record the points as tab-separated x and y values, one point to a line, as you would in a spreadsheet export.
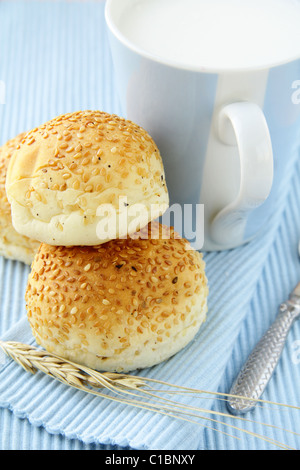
12	244
127	304
65	169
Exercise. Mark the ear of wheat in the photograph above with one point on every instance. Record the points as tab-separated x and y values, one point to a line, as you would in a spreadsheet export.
130	389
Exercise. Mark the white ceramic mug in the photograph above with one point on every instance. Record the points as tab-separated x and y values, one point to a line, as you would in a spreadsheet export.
225	133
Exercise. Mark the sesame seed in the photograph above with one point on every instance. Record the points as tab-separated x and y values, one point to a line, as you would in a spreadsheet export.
76	184
87	267
85	161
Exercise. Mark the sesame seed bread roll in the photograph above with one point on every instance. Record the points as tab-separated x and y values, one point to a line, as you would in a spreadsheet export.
68	169
12	244
121	306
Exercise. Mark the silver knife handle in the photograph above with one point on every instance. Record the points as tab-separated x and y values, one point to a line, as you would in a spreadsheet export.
260	365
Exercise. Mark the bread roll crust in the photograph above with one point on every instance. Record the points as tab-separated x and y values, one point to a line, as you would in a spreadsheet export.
121	306
67	168
12	244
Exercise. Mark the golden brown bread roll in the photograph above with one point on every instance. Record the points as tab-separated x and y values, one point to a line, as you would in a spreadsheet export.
12	244
70	167
118	306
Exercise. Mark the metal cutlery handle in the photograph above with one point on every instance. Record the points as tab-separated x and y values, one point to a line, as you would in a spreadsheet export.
260	365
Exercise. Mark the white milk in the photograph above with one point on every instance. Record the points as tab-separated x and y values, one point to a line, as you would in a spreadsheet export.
214	33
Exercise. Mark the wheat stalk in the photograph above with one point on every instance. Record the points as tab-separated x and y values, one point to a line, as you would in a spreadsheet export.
127	388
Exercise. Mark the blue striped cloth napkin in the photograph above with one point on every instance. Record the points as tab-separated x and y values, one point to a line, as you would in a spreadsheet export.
54	58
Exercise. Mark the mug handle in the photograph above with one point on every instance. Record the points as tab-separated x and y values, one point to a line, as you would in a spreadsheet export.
244	124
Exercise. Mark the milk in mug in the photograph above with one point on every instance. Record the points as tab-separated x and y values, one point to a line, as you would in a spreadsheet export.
216	83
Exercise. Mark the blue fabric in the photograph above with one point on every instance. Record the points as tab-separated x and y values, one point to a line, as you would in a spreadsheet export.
54	58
